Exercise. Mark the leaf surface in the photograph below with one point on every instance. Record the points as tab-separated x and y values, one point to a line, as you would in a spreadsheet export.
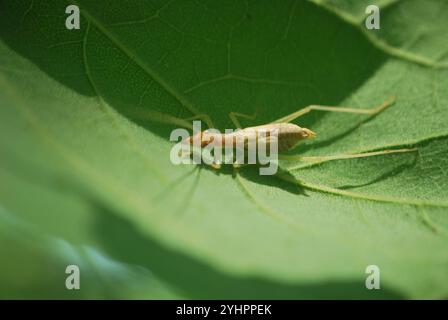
86	110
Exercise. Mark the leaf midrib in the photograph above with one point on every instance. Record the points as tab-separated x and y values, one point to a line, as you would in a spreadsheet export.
134	57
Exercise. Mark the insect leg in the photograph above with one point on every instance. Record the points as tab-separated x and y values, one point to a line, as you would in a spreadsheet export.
301	112
206	159
211	162
204	117
162	118
233	116
169	119
344	156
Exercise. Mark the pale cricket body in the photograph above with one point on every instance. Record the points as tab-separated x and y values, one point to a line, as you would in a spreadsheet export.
288	135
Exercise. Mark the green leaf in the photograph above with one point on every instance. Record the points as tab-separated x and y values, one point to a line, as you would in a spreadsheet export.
35	264
85	153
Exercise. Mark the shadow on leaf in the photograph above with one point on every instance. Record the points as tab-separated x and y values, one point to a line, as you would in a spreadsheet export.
196	280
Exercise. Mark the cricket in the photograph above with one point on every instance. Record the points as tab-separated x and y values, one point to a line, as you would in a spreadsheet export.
288	136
